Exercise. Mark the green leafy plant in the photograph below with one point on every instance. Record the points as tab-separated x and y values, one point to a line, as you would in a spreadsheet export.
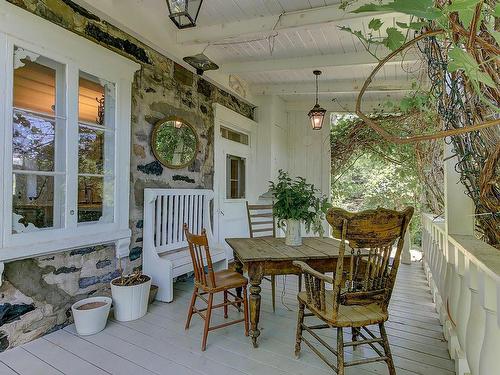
298	200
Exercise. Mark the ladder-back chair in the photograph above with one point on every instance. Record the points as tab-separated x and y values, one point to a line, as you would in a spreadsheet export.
207	281
362	284
261	223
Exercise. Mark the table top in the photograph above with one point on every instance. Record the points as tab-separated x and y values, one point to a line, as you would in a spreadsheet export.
269	248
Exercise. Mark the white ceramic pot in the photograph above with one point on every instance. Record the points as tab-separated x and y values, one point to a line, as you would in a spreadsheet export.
292	235
93	320
130	302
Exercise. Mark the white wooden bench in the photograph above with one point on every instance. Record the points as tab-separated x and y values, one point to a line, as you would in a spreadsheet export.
165	250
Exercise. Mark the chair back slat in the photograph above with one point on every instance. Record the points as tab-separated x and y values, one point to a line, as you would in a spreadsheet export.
200	256
370	235
261	222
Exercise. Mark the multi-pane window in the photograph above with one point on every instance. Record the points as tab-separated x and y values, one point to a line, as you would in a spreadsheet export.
38	145
38	142
234	135
64	129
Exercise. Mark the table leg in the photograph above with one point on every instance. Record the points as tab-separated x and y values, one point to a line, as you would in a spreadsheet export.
255	273
238	267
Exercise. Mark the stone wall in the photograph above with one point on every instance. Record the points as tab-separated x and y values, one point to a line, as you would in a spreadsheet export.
37	293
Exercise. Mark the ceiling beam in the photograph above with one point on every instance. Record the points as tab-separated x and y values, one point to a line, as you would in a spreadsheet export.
241	29
329	87
362	58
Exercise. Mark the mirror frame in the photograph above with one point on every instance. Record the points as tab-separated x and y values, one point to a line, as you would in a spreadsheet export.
154	133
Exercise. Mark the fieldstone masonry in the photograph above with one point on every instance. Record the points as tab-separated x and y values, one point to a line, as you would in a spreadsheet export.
37	293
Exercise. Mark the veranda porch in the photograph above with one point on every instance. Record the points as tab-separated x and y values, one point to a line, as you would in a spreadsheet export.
158	343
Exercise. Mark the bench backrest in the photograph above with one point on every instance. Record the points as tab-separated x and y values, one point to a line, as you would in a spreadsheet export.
166	211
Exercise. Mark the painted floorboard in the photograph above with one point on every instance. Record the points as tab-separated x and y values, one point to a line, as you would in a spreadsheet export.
158	343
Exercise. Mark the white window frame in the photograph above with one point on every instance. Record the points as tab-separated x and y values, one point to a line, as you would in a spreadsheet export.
23	29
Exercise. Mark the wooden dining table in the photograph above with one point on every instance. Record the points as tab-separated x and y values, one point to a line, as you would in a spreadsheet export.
267	256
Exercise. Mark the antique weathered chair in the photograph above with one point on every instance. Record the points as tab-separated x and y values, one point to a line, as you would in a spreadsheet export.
261	223
362	284
207	281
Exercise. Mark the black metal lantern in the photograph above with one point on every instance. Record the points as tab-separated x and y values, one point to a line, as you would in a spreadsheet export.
317	114
184	12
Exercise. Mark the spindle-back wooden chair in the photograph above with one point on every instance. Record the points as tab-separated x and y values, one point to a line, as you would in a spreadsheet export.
261	223
362	284
207	281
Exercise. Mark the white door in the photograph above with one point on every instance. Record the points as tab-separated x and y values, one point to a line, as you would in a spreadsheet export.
234	173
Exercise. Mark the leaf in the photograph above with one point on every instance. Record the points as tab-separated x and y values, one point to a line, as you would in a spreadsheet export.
375	24
496	35
395	39
496	12
465	10
356	33
418	8
413	25
462	60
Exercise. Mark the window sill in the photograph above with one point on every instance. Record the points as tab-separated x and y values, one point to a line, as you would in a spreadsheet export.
121	239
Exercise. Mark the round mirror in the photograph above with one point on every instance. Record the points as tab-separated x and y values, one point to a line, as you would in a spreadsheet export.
174	143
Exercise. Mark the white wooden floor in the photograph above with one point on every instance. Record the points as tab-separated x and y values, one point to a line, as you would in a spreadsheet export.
158	343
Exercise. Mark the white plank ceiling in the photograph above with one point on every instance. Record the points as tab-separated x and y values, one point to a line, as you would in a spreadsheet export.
274	45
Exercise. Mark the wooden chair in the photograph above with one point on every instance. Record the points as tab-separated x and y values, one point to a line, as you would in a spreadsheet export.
206	281
362	284
261	223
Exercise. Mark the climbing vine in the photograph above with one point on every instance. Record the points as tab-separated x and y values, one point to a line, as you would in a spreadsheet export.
460	42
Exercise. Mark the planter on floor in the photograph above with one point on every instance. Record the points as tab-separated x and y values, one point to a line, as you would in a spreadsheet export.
130	301
91	314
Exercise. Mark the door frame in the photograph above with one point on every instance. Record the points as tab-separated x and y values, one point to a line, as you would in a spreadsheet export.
232	120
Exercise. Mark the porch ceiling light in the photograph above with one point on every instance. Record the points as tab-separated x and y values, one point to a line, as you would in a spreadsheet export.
317	113
184	12
201	63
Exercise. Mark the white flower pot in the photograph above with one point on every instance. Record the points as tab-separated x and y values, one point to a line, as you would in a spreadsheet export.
130	302
93	320
292	235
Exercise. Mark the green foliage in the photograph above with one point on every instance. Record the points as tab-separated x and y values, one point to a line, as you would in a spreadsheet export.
298	200
418	8
378	174
462	60
429	16
395	39
465	10
375	24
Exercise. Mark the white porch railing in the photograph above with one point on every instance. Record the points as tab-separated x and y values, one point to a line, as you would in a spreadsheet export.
464	276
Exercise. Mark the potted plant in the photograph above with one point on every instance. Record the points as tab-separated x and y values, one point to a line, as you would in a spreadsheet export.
296	201
91	314
130	296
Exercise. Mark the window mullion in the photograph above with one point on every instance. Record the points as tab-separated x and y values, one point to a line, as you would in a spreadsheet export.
72	147
4	53
7	55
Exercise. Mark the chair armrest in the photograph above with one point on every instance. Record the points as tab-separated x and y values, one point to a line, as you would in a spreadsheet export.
311	271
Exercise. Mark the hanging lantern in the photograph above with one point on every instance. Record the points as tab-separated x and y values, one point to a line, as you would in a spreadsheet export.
317	114
184	12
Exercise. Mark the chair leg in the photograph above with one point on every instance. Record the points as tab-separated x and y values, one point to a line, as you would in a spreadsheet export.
191	306
245	309
225	304
273	291
387	349
300	321
340	351
354	333
207	321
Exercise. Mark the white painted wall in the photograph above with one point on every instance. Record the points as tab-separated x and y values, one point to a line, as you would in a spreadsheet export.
309	152
273	137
